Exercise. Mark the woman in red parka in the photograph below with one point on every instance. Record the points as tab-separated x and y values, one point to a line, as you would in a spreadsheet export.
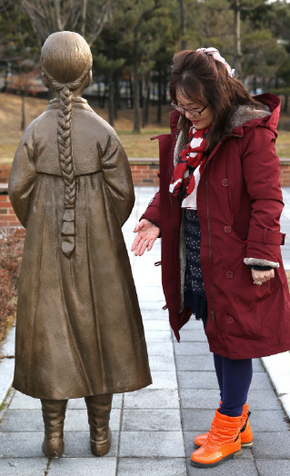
217	212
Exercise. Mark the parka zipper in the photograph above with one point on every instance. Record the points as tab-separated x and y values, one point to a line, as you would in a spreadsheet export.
173	242
174	225
209	243
176	292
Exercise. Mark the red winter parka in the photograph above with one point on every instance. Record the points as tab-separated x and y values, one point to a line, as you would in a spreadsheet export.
239	204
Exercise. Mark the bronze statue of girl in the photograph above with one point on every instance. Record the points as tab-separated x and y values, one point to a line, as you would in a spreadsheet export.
79	329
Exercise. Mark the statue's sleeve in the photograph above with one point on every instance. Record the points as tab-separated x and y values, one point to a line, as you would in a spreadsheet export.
23	176
118	181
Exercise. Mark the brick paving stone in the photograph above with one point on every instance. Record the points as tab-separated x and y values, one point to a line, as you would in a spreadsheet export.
152	467
155	444
233	467
272	445
270	467
83	467
155	420
152	399
23	467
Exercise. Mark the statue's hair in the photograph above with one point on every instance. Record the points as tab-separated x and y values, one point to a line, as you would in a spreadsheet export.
66	57
66	66
65	146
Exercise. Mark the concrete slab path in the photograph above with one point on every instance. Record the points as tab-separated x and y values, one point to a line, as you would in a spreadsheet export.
153	429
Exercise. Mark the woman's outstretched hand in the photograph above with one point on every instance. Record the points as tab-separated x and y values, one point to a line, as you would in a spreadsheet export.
147	233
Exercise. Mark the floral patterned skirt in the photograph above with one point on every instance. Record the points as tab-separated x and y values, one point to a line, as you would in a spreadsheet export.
194	293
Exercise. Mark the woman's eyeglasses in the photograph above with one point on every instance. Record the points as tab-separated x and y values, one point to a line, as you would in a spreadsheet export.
191	110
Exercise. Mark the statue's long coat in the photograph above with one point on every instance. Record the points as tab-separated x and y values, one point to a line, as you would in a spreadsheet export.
79	328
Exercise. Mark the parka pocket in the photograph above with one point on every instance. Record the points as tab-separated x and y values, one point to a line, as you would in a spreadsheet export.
243	309
261	292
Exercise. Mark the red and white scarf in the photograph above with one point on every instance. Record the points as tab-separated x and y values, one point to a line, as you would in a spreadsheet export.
189	168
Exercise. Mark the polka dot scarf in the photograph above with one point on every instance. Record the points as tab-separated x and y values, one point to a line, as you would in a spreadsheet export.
189	168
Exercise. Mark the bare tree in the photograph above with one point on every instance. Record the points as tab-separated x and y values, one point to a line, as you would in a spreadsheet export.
48	16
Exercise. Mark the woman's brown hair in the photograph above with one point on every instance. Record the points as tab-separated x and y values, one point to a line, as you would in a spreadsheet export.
199	77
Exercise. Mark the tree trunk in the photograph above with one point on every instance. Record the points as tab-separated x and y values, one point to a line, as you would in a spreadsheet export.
165	82
136	128
130	93
7	72
237	35
145	112
101	95
23	118
286	103
182	24
254	84
111	101
84	17
159	105
117	96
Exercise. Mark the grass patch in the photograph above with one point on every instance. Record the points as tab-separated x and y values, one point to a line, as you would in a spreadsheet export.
135	145
283	145
141	145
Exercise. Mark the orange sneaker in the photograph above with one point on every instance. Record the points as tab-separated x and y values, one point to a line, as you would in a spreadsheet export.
223	442
246	431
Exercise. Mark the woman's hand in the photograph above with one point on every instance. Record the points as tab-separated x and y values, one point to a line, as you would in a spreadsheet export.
260	277
147	233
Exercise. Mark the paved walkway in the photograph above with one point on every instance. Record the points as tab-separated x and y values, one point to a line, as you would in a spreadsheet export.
153	429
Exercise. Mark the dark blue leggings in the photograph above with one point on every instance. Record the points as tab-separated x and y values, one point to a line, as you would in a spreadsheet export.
234	376
234	379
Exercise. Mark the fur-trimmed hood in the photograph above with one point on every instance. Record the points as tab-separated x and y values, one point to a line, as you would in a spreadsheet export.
243	114
248	117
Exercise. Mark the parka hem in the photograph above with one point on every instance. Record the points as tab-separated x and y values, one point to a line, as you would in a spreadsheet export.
253	354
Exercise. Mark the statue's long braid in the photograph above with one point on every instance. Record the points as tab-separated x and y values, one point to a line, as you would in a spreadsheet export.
65	147
64	143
